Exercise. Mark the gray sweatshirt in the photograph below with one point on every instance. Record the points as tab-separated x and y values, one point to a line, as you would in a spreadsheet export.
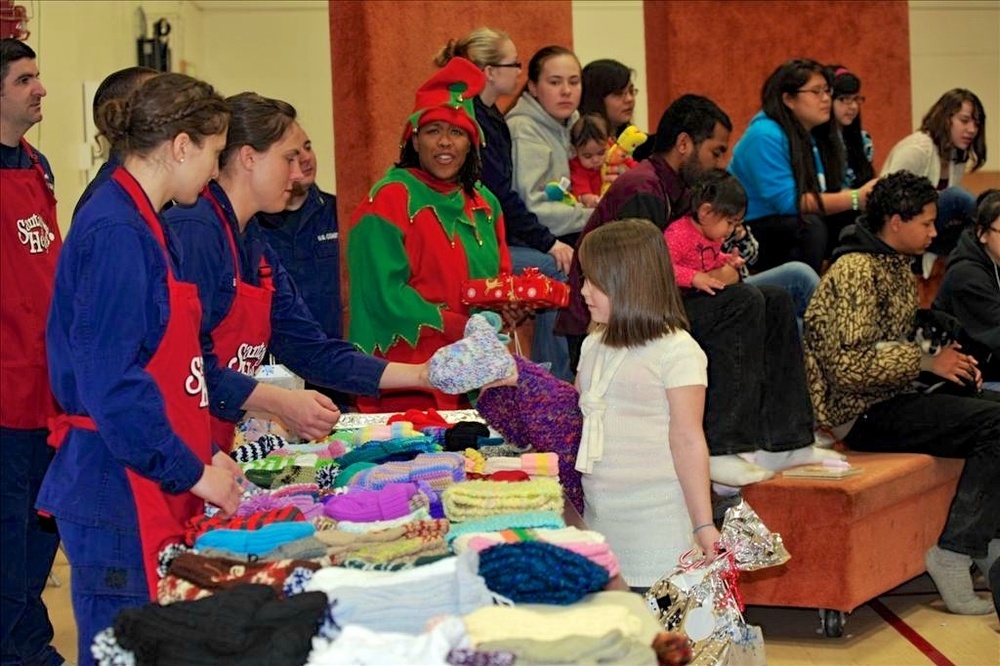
540	150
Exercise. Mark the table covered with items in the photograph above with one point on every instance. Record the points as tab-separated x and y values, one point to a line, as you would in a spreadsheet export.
427	538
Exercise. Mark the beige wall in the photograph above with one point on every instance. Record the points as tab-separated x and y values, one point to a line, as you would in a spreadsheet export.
956	44
281	49
78	42
613	29
277	49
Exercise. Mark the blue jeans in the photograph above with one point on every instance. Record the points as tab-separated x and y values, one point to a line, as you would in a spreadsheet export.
797	278
107	577
546	346
29	547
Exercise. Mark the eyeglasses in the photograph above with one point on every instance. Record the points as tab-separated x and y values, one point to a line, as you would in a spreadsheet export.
852	99
513	65
631	90
819	92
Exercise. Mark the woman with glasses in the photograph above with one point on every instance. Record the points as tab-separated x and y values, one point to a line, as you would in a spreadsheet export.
608	90
790	195
855	144
951	138
530	242
971	288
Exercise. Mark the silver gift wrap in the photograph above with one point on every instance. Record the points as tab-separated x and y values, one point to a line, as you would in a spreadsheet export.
702	598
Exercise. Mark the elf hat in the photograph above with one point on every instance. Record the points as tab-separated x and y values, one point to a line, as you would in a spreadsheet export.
447	96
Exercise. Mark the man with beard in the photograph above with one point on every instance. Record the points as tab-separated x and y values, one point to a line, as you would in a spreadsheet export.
749	333
692	136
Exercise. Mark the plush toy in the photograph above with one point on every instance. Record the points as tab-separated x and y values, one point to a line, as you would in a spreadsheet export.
618	159
560	192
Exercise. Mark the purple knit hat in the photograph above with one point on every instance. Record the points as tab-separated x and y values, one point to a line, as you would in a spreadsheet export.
542	412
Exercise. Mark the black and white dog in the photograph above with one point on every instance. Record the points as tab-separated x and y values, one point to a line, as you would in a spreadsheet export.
933	330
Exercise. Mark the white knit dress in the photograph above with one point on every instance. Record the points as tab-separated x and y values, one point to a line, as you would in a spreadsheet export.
632	494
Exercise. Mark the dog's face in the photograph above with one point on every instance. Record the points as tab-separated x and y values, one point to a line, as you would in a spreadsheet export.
934	330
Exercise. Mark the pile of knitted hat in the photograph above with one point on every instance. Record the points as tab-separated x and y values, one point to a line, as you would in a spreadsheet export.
541	412
438	470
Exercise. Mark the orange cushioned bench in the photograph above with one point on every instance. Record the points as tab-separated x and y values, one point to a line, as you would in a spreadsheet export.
851	539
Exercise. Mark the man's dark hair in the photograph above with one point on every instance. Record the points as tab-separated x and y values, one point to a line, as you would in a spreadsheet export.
693	115
12	50
901	193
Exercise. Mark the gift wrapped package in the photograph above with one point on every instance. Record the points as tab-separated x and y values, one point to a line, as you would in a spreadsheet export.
530	289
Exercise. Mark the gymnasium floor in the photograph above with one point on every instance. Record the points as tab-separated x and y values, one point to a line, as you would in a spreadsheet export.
790	635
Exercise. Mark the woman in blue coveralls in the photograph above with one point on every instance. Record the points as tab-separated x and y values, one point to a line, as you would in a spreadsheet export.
249	300
134	460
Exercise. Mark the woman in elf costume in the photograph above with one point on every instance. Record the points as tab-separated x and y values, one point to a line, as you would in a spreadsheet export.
423	229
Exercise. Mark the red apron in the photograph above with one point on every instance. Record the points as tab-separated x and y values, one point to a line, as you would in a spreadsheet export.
240	339
29	245
178	371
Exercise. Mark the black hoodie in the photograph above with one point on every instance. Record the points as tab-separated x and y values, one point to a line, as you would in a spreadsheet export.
857	238
971	292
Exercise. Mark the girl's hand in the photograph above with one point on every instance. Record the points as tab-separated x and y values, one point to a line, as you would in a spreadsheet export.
309	414
225	461
590	200
735	260
219	487
864	191
706	283
563	254
706	538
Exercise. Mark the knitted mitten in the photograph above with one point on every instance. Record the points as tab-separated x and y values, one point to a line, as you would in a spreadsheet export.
477	359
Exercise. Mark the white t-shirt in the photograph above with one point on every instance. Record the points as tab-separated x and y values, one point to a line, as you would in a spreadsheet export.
632	494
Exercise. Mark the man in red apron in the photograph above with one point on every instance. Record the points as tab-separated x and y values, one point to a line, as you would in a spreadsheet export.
29	245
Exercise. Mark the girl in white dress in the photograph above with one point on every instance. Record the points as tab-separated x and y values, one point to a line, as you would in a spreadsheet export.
642	382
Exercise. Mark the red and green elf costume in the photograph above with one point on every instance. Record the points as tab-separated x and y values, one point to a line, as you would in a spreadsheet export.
413	241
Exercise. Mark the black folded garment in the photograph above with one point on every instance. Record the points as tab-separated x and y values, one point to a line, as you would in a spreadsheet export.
246	625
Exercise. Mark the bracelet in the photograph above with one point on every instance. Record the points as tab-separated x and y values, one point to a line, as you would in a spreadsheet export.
701	527
855	203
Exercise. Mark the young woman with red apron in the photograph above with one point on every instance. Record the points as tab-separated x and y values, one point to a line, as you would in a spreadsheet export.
240	339
162	516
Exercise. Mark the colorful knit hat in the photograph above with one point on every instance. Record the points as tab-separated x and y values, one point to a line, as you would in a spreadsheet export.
447	96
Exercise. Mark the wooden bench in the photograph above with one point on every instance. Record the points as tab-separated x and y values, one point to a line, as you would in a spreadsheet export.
851	539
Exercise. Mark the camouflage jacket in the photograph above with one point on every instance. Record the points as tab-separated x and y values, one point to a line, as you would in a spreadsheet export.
868	296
